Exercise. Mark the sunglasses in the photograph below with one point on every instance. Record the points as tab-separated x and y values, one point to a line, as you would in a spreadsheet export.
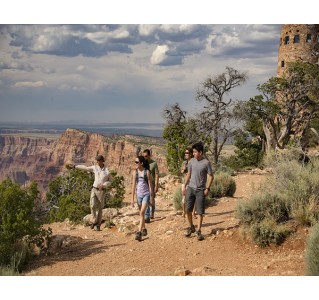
186	152
137	162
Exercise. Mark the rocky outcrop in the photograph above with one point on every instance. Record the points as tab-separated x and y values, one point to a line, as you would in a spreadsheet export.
38	159
24	160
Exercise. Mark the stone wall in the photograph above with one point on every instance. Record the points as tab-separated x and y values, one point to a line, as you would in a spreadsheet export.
298	42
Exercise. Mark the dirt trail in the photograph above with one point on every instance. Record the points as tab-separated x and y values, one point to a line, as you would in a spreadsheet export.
165	251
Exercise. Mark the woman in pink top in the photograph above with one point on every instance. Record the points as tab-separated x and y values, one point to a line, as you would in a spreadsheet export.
141	186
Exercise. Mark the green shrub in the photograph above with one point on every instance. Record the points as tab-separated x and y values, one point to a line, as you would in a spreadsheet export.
223	185
297	183
19	227
260	207
312	252
69	195
248	152
292	192
177	199
268	232
116	191
8	271
216	189
222	168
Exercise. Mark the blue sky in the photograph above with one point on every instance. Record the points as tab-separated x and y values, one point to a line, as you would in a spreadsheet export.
123	73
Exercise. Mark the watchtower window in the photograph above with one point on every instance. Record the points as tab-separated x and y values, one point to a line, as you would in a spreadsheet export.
286	40
282	63
296	39
308	40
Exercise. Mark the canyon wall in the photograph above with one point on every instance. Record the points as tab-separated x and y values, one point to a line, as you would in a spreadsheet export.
38	159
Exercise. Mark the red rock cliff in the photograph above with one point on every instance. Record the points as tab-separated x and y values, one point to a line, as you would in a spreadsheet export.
26	159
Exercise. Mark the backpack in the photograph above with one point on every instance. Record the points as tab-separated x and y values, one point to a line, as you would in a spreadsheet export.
145	176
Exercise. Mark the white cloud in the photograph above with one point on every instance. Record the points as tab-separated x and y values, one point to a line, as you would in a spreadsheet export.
67	87
80	68
159	55
49	39
101	85
146	29
33	84
102	37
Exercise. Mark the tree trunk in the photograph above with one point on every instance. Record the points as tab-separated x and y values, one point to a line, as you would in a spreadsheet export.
270	139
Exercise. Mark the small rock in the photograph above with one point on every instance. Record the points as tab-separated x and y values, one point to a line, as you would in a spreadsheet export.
182	271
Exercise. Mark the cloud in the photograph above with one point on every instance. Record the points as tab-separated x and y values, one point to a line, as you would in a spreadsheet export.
100	40
67	87
26	84
245	41
80	68
140	68
163	56
71	40
15	65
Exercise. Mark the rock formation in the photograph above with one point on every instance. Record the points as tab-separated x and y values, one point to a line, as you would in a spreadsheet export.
38	159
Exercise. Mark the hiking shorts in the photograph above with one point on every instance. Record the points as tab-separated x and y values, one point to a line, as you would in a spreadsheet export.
195	198
145	199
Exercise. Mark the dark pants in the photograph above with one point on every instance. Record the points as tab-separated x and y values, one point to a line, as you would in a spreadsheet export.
195	198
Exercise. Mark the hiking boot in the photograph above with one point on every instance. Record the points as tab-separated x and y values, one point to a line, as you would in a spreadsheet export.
138	236
144	232
152	216
98	228
200	237
92	225
190	230
147	220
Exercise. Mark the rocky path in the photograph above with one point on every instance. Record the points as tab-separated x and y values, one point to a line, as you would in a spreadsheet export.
165	251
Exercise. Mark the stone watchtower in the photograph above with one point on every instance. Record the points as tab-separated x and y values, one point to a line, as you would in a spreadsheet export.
298	42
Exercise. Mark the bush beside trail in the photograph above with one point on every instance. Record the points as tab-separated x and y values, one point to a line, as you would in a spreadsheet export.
290	194
20	228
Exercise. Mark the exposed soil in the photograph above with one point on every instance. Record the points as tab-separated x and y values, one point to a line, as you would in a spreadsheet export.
165	251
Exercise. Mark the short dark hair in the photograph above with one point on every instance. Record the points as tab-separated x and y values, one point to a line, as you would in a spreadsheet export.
147	151
199	147
100	157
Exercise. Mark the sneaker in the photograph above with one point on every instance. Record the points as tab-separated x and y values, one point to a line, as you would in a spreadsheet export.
92	225
147	220
144	232
200	237
138	236
190	230
152	216
98	228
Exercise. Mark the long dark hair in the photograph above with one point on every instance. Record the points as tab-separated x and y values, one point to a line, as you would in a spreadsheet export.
190	151
144	162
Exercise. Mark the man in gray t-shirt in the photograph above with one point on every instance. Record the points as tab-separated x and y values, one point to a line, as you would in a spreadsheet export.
199	178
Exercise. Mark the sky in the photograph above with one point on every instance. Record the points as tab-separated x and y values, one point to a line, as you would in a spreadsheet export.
119	73
125	70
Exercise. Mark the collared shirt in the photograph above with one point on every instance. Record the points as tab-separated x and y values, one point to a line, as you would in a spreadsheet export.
102	176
